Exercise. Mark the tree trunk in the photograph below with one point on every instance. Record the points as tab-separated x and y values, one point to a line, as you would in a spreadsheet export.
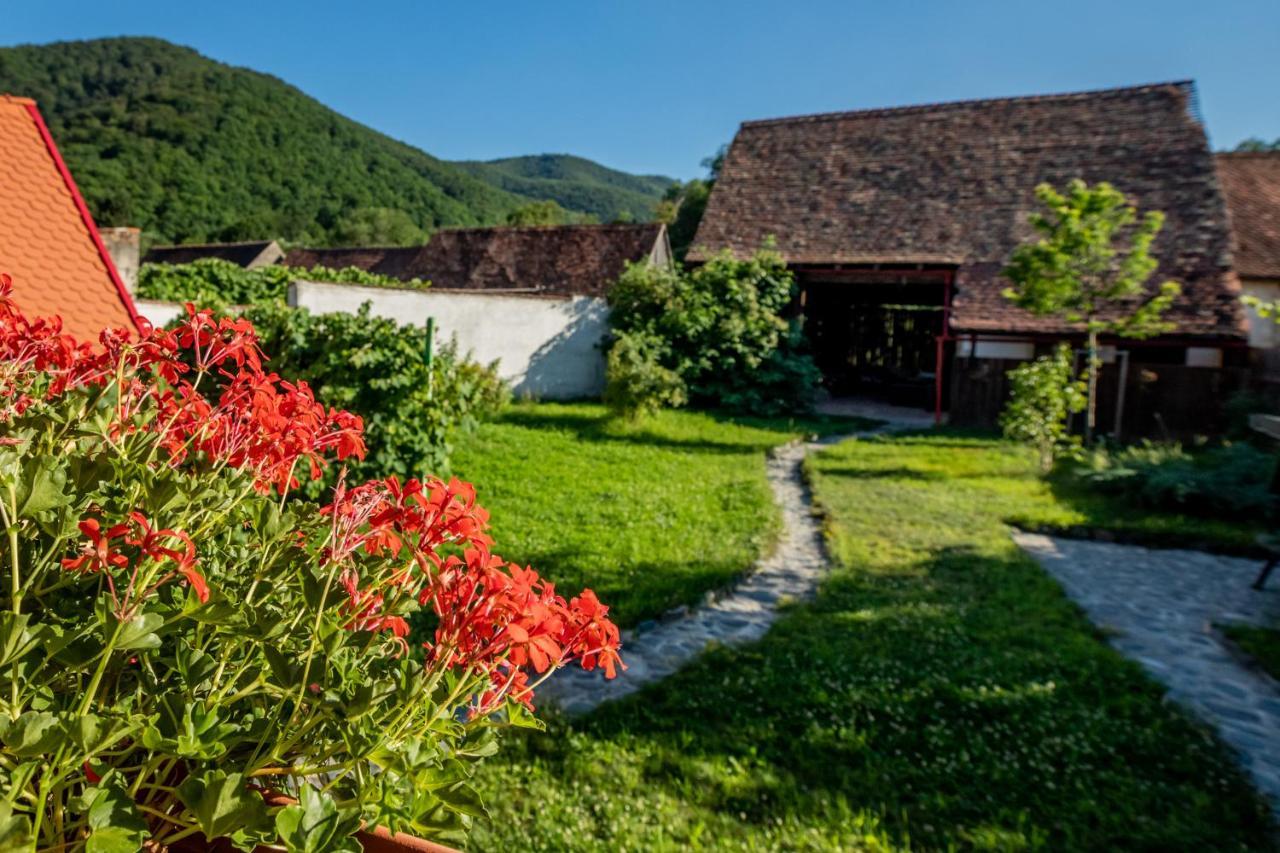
1091	411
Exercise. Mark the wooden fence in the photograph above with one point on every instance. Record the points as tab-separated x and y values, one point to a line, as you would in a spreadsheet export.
1165	401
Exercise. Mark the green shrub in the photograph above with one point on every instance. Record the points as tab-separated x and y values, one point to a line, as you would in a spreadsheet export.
636	382
720	329
376	368
1227	481
1045	393
215	283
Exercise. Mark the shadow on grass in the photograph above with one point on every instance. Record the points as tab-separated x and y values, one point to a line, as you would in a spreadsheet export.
601	427
930	475
634	591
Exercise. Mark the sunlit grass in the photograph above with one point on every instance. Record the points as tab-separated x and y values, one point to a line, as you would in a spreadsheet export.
941	693
651	514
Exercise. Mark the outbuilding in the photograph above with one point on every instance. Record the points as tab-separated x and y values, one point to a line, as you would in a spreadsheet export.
897	223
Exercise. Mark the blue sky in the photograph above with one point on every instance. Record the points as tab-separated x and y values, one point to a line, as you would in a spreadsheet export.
654	87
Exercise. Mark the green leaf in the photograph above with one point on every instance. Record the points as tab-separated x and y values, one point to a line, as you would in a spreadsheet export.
15	830
87	732
114	823
285	672
15	640
317	825
42	486
195	666
139	632
222	805
462	798
34	733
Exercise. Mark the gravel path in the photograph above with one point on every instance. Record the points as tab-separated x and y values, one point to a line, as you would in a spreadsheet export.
741	614
1159	608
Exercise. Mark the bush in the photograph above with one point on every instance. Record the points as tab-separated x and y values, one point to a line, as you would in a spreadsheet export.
176	639
720	329
377	368
215	283
1229	481
636	383
1044	395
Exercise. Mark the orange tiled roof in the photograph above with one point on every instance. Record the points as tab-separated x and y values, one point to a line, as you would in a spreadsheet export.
48	241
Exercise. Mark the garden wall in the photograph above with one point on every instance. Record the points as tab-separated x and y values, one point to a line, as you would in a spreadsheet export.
159	313
546	347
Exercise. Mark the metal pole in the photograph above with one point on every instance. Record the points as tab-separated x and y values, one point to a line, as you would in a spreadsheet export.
427	356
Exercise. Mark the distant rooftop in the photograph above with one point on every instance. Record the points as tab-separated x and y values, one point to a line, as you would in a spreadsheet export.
1251	182
248	254
576	260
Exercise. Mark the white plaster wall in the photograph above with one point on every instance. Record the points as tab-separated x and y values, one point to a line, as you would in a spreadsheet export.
545	347
996	349
159	313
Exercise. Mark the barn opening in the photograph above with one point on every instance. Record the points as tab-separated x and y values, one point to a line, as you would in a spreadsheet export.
880	332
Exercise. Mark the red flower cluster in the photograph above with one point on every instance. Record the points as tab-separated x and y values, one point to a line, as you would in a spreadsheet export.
493	617
503	620
104	552
258	422
390	543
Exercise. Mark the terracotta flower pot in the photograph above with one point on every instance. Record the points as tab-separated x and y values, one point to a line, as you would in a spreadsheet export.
377	841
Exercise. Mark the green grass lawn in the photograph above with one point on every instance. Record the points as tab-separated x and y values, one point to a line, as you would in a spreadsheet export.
940	693
1261	644
650	515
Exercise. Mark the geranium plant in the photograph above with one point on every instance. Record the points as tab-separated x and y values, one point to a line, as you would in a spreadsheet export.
179	639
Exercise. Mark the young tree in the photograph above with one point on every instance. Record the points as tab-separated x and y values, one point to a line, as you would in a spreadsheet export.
1045	394
1265	310
1090	267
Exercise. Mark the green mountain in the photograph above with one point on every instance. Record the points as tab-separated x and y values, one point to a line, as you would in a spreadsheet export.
191	149
574	183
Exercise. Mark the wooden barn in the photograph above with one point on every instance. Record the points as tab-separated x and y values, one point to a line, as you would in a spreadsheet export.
897	223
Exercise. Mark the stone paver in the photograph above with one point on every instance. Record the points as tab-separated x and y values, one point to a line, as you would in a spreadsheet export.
742	614
1159	607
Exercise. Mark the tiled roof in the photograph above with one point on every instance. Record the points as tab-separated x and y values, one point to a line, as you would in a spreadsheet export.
953	183
264	252
578	260
1251	183
48	241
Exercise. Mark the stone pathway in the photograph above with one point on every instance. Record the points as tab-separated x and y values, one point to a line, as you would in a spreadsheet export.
866	407
1158	608
741	614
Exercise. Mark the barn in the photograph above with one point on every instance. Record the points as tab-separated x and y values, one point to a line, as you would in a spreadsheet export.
897	223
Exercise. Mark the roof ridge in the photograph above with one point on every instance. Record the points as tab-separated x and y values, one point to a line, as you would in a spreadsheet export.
17	99
354	248
1262	154
599	226
213	244
969	102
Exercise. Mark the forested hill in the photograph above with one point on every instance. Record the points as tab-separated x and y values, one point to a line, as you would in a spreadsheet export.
191	149
575	183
